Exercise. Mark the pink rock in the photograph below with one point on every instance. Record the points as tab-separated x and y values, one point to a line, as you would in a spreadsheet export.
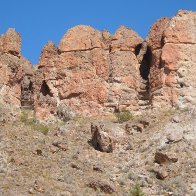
125	39
155	36
10	42
84	74
80	38
181	28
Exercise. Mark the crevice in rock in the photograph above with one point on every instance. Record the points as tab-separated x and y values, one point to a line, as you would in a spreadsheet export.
181	43
181	85
80	50
162	42
27	92
145	64
110	80
144	56
137	49
14	53
73	95
45	90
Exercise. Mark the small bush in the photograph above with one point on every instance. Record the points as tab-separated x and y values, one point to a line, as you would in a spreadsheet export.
24	117
40	127
136	191
124	116
80	120
33	124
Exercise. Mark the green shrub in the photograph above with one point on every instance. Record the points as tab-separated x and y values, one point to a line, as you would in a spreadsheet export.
124	116
33	124
40	127
136	191
24	117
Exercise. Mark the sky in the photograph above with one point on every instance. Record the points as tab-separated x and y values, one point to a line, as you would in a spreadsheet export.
39	21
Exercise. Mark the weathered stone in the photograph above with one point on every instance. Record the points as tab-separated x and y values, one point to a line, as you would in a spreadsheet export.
10	42
181	28
15	72
103	186
81	38
64	112
45	91
85	75
155	36
94	73
11	76
162	174
27	97
172	42
107	136
175	136
164	158
125	39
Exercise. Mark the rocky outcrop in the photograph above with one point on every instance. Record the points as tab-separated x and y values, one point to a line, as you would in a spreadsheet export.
124	78
10	42
172	42
93	73
45	86
10	68
16	81
90	71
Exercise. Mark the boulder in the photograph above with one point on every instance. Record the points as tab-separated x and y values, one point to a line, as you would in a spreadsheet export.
163	158
100	185
106	137
64	112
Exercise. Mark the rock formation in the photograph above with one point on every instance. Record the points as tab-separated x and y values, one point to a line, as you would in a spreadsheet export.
92	73
13	68
172	42
106	137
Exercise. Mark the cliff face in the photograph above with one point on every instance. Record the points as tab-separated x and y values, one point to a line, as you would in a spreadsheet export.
94	73
90	73
172	42
14	70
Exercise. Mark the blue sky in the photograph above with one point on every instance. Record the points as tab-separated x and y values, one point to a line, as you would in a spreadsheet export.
39	21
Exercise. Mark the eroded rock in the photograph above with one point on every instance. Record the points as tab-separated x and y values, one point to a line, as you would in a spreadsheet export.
172	42
106	137
162	158
101	185
94	73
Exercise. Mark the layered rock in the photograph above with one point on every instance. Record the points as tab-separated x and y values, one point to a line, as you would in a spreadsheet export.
124	78
172	72
155	41
91	73
179	60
